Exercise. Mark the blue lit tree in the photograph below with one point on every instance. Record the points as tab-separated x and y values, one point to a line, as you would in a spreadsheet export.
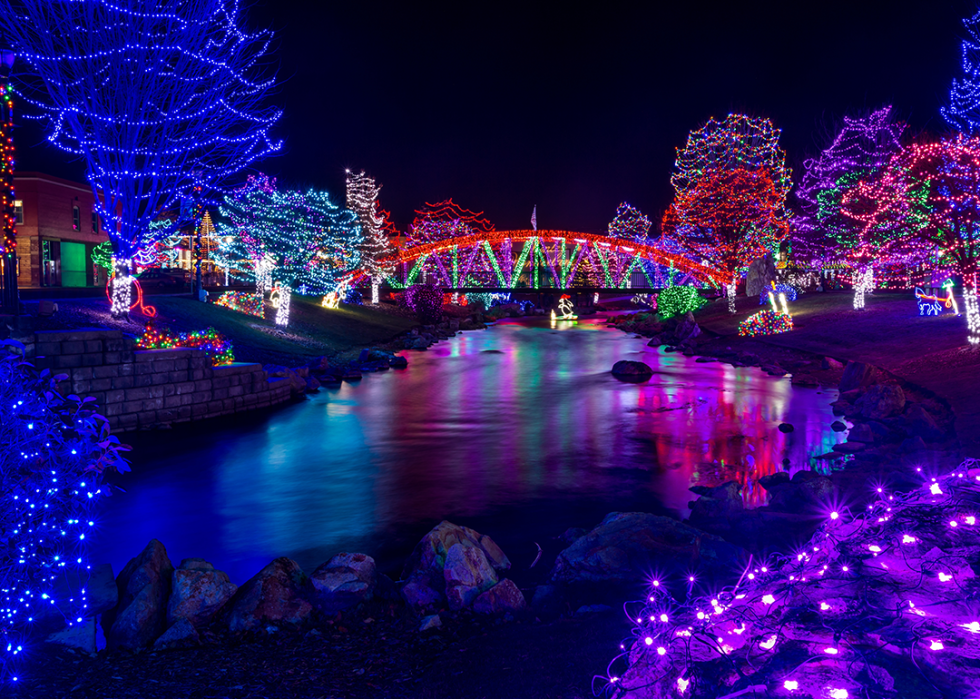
307	240
162	99
963	113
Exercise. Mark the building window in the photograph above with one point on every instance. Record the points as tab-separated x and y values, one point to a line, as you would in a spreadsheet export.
18	211
95	222
76	218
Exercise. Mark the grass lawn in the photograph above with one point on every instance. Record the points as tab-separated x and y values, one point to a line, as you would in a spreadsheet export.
313	330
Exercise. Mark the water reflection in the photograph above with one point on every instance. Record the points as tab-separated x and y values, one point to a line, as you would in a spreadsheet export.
522	418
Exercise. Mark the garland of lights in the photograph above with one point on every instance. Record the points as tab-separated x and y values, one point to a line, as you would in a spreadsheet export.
55	450
804	624
8	235
148	144
362	199
307	241
243	302
730	192
214	345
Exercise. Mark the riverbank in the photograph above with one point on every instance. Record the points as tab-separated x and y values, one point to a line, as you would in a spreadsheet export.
313	331
929	352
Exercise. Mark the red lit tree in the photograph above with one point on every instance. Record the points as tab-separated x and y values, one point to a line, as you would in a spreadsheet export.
730	194
940	183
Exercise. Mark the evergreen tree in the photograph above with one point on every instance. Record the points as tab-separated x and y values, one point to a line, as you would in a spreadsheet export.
362	199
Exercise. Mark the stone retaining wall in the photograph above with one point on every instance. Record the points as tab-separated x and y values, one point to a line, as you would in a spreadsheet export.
138	389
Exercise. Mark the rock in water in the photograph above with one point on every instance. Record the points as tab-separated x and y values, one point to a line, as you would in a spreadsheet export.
502	598
760	275
144	588
625	370
626	546
275	594
345	580
199	591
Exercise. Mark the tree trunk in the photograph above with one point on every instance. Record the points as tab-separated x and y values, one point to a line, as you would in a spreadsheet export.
282	312
375	290
864	282
730	293
122	289
972	310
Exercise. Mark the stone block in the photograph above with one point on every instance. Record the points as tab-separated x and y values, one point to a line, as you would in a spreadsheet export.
165	365
132	406
199	374
144	380
66	361
105	372
159	379
199	410
182	363
98	396
114	345
147	418
202	385
221	381
184	412
112	357
219	393
171	402
80	386
201	397
123	382
199	362
116	396
250	398
155	392
236	391
93	359
73	347
178	376
238	402
126	422
166	415
47	349
147	356
85	372
187	399
127	356
137	393
93	346
143	368
186	387
153	404
101	384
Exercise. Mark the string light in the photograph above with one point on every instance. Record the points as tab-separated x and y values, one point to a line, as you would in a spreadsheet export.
55	450
215	345
243	302
678	300
362	199
730	192
147	143
301	238
962	113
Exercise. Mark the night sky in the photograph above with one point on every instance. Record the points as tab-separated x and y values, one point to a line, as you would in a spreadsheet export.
572	108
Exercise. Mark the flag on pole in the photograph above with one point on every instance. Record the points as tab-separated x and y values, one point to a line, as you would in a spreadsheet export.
534	217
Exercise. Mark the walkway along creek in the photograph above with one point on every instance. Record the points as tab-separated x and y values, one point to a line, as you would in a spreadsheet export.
519	431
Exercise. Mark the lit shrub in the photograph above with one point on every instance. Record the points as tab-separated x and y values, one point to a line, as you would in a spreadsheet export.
425	300
55	450
215	345
678	300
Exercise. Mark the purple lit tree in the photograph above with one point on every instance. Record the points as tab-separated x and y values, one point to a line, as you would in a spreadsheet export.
163	101
836	208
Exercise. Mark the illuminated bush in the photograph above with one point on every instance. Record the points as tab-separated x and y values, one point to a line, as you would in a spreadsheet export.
54	453
425	300
678	300
215	345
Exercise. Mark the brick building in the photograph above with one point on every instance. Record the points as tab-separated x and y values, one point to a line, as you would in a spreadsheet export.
57	228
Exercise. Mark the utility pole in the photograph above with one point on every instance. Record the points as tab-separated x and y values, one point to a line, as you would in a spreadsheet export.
8	236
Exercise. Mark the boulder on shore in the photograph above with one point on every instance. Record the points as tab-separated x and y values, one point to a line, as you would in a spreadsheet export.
504	597
452	564
277	594
345	580
760	275
882	400
626	546
144	588
199	591
626	370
